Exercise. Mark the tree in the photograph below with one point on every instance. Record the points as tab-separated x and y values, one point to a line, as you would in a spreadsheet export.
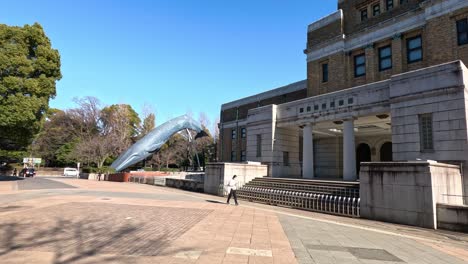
120	119
57	138
104	133
203	119
172	152
149	120
29	69
205	147
216	139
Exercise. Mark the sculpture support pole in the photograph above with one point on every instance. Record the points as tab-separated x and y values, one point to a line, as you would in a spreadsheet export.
191	143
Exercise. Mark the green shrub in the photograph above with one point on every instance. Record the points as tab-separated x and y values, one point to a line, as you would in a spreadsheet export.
88	169
170	169
103	169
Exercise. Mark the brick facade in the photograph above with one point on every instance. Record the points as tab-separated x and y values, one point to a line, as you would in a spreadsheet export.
352	15
439	43
333	43
324	33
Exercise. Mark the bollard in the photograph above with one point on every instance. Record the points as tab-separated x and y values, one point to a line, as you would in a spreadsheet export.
348	201
331	206
358	207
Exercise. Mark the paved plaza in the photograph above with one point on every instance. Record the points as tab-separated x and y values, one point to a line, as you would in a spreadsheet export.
60	220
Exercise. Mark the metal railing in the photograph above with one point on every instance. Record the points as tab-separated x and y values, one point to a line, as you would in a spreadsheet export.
345	190
332	204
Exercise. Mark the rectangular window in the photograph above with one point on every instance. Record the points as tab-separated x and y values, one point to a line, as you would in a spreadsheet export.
425	129
389	4
243	156
259	145
414	49
403	2
364	14
233	156
462	31
325	72
359	65
385	58
243	132
376	10
285	158
234	134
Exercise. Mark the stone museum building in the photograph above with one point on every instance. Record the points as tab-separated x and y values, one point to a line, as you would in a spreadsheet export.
386	81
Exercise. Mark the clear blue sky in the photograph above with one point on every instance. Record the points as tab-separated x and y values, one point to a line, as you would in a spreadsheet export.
176	55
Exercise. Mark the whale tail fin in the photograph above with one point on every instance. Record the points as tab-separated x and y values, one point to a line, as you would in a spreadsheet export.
201	134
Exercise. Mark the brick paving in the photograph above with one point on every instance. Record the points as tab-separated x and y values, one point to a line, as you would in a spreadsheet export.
91	228
105	222
96	224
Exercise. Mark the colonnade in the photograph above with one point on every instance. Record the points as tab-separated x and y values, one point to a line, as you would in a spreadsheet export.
349	151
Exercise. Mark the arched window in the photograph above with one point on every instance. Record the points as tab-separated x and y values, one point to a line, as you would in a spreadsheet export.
386	152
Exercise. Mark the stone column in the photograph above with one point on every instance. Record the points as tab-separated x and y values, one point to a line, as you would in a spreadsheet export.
308	152
349	151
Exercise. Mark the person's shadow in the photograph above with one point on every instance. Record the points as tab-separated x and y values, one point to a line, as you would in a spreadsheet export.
213	201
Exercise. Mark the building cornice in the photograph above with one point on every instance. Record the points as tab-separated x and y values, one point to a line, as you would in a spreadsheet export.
294	87
338	15
347	43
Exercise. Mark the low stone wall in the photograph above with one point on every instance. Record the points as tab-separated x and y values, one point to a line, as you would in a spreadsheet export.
217	175
407	192
189	185
452	217
119	177
149	173
92	176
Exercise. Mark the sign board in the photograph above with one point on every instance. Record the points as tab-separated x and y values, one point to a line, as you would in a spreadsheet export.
32	160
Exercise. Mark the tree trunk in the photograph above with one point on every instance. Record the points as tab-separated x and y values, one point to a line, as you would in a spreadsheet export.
101	162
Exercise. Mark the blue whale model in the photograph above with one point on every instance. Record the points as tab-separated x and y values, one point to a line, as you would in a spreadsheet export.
150	143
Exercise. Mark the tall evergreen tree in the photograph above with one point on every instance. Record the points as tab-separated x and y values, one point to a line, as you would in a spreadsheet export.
29	69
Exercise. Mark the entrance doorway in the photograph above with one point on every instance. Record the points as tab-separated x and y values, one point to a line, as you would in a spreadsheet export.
363	154
386	152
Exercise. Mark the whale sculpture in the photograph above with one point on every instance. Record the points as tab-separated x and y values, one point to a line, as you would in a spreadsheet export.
153	141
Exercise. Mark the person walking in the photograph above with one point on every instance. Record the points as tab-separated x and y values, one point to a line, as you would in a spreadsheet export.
15	172
232	187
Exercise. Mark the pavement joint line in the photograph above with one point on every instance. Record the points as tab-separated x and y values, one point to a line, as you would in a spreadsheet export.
192	255
333	222
249	252
434	245
201	196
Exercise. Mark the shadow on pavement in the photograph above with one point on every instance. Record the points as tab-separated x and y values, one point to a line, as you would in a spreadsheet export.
10	178
81	241
213	201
